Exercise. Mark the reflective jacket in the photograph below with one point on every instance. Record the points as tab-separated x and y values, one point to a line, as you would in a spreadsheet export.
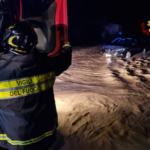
28	117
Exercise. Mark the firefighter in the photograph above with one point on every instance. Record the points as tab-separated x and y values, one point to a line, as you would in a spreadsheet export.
28	117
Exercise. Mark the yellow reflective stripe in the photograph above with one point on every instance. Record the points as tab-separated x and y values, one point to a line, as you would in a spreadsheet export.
10	41
27	142
10	27
26	81
2	134
66	45
21	51
26	91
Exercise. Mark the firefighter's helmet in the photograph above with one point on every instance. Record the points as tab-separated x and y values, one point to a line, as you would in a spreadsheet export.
20	38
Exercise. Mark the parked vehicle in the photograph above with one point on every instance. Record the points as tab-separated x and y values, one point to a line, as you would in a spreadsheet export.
125	47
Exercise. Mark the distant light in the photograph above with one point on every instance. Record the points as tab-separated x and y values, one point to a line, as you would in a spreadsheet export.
120	33
148	23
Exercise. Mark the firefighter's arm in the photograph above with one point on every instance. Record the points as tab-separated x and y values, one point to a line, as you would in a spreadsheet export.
63	60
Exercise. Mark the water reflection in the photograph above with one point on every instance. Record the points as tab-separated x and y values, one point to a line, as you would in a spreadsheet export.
108	60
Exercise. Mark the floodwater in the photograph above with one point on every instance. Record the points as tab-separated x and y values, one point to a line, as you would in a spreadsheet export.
103	103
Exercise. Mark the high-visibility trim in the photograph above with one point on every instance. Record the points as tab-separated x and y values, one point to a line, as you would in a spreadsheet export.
21	51
4	137
10	41
26	91
69	45
26	86
10	27
26	81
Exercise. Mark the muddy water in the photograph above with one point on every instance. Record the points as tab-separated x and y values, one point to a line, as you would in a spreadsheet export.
103	103
88	70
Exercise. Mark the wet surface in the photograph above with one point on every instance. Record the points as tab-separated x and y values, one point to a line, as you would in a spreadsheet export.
89	69
104	103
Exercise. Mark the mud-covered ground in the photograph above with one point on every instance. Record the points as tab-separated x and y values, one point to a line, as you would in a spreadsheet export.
104	104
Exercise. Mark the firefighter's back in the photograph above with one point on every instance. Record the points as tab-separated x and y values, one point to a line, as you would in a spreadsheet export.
27	108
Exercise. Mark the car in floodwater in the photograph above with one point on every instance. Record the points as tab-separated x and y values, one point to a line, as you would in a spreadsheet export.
125	47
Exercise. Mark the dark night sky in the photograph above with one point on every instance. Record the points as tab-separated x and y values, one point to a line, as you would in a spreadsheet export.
88	17
121	12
